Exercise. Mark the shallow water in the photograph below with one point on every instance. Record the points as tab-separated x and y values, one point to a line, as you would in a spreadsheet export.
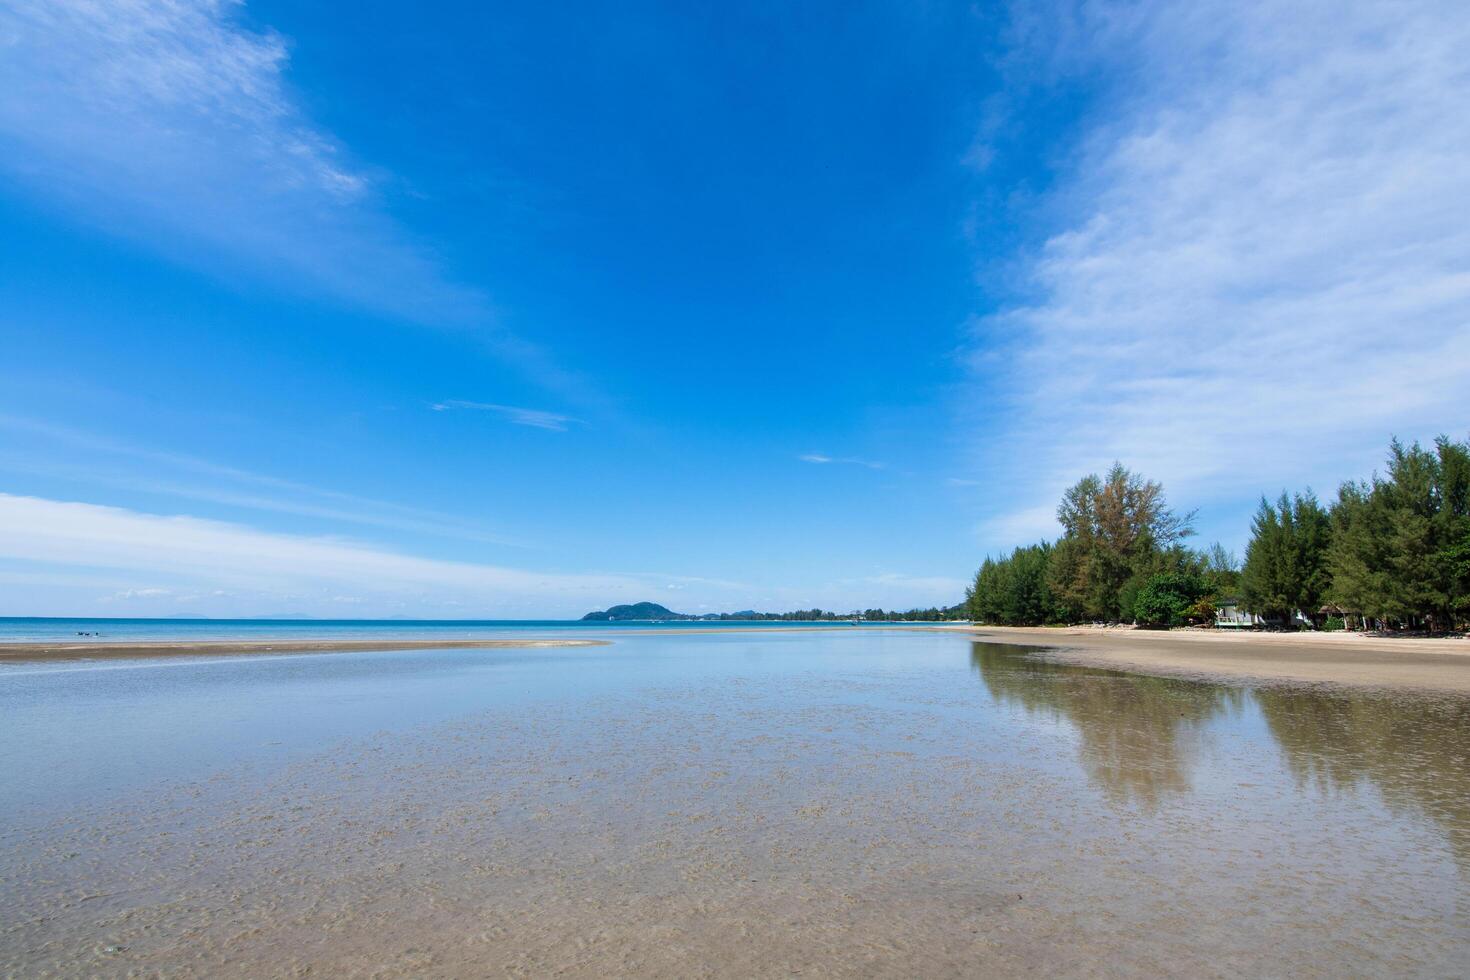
46	629
879	803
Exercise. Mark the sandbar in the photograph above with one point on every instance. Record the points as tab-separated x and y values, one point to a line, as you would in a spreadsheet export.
1347	659
234	648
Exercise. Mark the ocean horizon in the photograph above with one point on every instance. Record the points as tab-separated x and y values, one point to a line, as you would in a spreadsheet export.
40	629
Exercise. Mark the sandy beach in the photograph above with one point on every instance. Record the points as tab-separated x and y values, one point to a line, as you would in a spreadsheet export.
1350	659
234	648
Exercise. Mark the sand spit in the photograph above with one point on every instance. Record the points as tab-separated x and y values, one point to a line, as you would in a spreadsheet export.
234	648
1348	659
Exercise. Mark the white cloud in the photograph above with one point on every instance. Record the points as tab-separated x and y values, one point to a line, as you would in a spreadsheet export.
533	417
168	121
90	461
1018	527
218	560
68	558
821	459
1266	272
126	594
172	124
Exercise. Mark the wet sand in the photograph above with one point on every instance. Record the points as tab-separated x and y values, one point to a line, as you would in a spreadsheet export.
235	648
1349	659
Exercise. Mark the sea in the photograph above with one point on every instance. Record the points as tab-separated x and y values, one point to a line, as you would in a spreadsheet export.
42	629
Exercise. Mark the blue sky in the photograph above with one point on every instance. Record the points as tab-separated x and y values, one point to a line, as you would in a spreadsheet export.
478	310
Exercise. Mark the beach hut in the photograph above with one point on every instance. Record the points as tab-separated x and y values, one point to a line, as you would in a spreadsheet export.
1229	614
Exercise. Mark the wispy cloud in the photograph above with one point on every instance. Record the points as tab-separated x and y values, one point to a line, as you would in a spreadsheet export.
171	123
127	595
822	459
1266	270
170	556
532	417
68	558
168	121
1024	525
103	461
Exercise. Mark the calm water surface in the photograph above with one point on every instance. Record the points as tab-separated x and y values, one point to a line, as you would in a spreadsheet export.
43	629
872	802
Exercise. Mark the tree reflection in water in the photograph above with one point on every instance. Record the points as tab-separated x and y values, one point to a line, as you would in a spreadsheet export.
1413	749
1138	733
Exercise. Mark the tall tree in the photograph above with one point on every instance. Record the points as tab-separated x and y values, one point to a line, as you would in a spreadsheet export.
1114	527
1221	571
1400	540
1286	560
1014	590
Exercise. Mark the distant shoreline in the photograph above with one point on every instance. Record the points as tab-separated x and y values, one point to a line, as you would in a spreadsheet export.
224	648
1343	659
102	649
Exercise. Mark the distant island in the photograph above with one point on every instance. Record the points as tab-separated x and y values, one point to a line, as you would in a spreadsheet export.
636	611
645	612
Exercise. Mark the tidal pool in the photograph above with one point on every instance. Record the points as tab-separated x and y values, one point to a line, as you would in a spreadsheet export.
875	803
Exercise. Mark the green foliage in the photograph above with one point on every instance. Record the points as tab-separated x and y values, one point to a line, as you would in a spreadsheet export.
1334	624
1456	562
932	614
1114	527
1286	561
1169	599
1395	549
1014	591
1401	542
652	611
1221	571
1203	612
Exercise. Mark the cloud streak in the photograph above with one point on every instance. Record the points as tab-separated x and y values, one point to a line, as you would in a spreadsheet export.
821	459
168	556
1266	268
170	123
189	477
73	558
167	121
534	418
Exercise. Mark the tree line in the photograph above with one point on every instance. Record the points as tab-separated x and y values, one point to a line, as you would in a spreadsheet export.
1390	552
932	614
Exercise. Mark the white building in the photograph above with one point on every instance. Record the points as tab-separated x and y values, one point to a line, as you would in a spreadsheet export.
1230	615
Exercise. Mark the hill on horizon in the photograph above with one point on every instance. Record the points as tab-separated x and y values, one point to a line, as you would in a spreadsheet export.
636	611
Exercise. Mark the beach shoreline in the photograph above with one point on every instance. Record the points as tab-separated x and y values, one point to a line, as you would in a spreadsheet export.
18	652
1346	659
101	649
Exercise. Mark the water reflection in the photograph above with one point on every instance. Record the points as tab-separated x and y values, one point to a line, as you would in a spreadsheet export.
1139	733
1415	751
